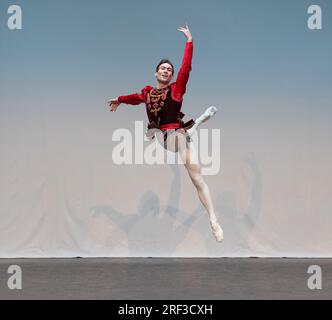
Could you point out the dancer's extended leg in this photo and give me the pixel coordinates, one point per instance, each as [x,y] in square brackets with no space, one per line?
[209,112]
[203,191]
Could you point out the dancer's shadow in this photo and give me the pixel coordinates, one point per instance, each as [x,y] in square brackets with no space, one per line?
[237,225]
[152,230]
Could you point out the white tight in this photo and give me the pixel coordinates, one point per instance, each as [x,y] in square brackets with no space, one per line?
[193,168]
[194,171]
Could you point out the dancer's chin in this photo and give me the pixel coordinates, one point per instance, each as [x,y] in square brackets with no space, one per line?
[163,82]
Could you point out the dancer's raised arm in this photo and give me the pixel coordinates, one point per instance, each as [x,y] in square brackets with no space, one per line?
[179,88]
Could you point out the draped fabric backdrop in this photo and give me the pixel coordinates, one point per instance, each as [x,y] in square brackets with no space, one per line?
[62,195]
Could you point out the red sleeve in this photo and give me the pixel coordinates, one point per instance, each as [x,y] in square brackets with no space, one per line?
[135,98]
[179,87]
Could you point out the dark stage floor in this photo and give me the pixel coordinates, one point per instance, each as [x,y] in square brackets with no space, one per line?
[166,278]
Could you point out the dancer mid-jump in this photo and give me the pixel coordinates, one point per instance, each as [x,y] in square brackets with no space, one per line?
[163,106]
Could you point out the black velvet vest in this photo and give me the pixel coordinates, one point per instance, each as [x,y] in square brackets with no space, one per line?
[161,108]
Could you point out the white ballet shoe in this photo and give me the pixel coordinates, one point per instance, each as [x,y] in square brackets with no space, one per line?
[217,231]
[210,112]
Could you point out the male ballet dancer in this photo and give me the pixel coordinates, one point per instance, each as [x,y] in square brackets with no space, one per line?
[163,107]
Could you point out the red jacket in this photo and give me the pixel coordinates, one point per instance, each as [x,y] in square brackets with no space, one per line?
[167,110]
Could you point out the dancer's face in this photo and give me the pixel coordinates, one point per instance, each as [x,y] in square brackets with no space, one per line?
[164,73]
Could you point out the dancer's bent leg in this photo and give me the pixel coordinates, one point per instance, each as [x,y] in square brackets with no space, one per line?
[209,112]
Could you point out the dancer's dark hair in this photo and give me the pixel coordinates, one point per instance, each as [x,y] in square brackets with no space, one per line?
[165,61]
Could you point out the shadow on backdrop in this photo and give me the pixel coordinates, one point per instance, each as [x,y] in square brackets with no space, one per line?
[154,230]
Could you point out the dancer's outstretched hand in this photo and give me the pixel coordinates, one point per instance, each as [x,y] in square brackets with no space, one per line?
[113,103]
[185,30]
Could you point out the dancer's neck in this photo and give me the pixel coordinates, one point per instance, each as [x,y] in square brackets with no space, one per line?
[162,85]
